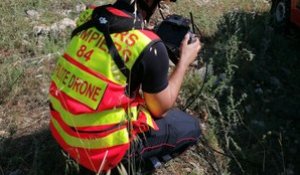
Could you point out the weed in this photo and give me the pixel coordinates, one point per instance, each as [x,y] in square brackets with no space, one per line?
[250,93]
[244,45]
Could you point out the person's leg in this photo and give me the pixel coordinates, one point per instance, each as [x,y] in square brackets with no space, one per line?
[177,131]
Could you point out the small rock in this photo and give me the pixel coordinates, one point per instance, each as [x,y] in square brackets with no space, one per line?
[41,30]
[63,25]
[65,12]
[201,2]
[57,27]
[33,14]
[79,8]
[188,170]
[4,134]
[203,127]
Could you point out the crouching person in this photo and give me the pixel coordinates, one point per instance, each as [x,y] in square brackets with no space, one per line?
[110,96]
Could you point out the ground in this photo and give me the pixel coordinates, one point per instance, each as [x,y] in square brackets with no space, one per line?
[248,104]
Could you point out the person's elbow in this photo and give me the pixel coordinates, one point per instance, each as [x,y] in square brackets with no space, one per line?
[158,104]
[158,112]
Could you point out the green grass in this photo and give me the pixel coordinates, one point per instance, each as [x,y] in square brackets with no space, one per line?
[208,15]
[250,94]
[26,63]
[256,90]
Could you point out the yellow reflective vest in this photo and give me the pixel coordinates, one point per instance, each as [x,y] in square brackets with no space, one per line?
[92,118]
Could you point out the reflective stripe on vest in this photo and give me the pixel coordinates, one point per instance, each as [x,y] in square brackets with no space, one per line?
[92,158]
[108,117]
[119,137]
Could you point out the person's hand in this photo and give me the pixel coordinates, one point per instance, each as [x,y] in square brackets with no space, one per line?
[189,52]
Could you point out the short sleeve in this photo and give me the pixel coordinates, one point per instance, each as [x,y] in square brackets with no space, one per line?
[155,65]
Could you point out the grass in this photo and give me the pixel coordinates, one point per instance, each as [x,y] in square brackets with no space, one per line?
[255,104]
[208,15]
[250,94]
[26,62]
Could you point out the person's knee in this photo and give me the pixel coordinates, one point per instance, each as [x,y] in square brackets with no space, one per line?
[185,125]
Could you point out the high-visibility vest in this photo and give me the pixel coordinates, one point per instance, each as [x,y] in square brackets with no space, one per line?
[93,119]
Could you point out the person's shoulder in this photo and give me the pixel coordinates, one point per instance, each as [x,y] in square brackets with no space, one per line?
[150,34]
[156,51]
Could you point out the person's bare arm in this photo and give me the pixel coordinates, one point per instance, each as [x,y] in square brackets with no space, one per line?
[159,103]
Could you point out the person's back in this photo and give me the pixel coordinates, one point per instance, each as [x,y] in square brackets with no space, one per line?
[97,111]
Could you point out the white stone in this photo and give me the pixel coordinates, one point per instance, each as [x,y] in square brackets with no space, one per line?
[65,12]
[41,30]
[63,25]
[4,134]
[79,8]
[33,14]
[201,2]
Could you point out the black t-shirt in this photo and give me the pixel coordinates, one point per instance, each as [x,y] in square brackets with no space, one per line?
[151,69]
